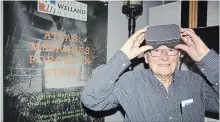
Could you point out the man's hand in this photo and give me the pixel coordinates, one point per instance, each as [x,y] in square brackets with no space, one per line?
[194,46]
[132,46]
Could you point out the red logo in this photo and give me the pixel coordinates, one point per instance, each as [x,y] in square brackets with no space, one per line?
[41,6]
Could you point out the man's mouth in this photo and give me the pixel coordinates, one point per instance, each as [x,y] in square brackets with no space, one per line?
[164,65]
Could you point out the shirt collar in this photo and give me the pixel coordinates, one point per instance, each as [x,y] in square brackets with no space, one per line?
[157,82]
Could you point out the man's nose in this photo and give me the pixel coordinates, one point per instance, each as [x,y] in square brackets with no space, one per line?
[164,56]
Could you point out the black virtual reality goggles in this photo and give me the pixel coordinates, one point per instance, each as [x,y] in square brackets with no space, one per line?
[158,35]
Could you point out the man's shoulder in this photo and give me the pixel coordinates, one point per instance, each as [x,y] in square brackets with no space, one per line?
[132,78]
[188,75]
[135,73]
[139,72]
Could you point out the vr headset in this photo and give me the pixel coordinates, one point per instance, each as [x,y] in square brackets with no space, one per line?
[168,35]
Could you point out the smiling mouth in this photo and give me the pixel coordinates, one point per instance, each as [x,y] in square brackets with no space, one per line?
[164,65]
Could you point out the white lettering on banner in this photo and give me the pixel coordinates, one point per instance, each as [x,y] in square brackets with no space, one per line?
[69,9]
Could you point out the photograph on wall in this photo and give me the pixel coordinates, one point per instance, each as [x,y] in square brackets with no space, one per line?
[50,51]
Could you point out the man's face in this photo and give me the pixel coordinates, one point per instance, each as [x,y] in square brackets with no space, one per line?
[163,60]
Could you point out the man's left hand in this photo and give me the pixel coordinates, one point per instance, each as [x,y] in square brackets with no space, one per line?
[194,46]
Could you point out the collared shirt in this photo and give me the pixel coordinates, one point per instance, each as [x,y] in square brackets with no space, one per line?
[145,99]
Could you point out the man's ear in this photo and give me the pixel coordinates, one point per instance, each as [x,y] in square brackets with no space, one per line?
[145,58]
[181,54]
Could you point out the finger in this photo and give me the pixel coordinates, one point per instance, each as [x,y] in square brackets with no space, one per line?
[182,30]
[136,44]
[182,47]
[183,33]
[186,40]
[145,48]
[146,27]
[191,30]
[189,41]
[193,36]
[139,40]
[143,30]
[141,37]
[188,29]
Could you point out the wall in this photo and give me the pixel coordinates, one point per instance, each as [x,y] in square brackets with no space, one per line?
[118,33]
[213,13]
[165,14]
[173,14]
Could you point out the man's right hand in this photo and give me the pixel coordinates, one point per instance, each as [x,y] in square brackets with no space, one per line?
[132,46]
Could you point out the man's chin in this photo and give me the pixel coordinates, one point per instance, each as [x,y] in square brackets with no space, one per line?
[164,73]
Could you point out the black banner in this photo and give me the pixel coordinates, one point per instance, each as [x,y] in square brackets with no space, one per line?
[48,59]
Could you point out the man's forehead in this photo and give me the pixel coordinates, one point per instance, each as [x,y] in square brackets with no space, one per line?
[163,47]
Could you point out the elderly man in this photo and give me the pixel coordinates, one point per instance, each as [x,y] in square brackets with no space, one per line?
[162,92]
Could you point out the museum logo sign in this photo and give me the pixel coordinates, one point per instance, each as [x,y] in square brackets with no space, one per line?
[69,9]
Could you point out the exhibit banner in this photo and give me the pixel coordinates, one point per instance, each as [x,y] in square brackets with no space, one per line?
[50,51]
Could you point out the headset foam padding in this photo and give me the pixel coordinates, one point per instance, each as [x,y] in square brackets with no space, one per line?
[168,35]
